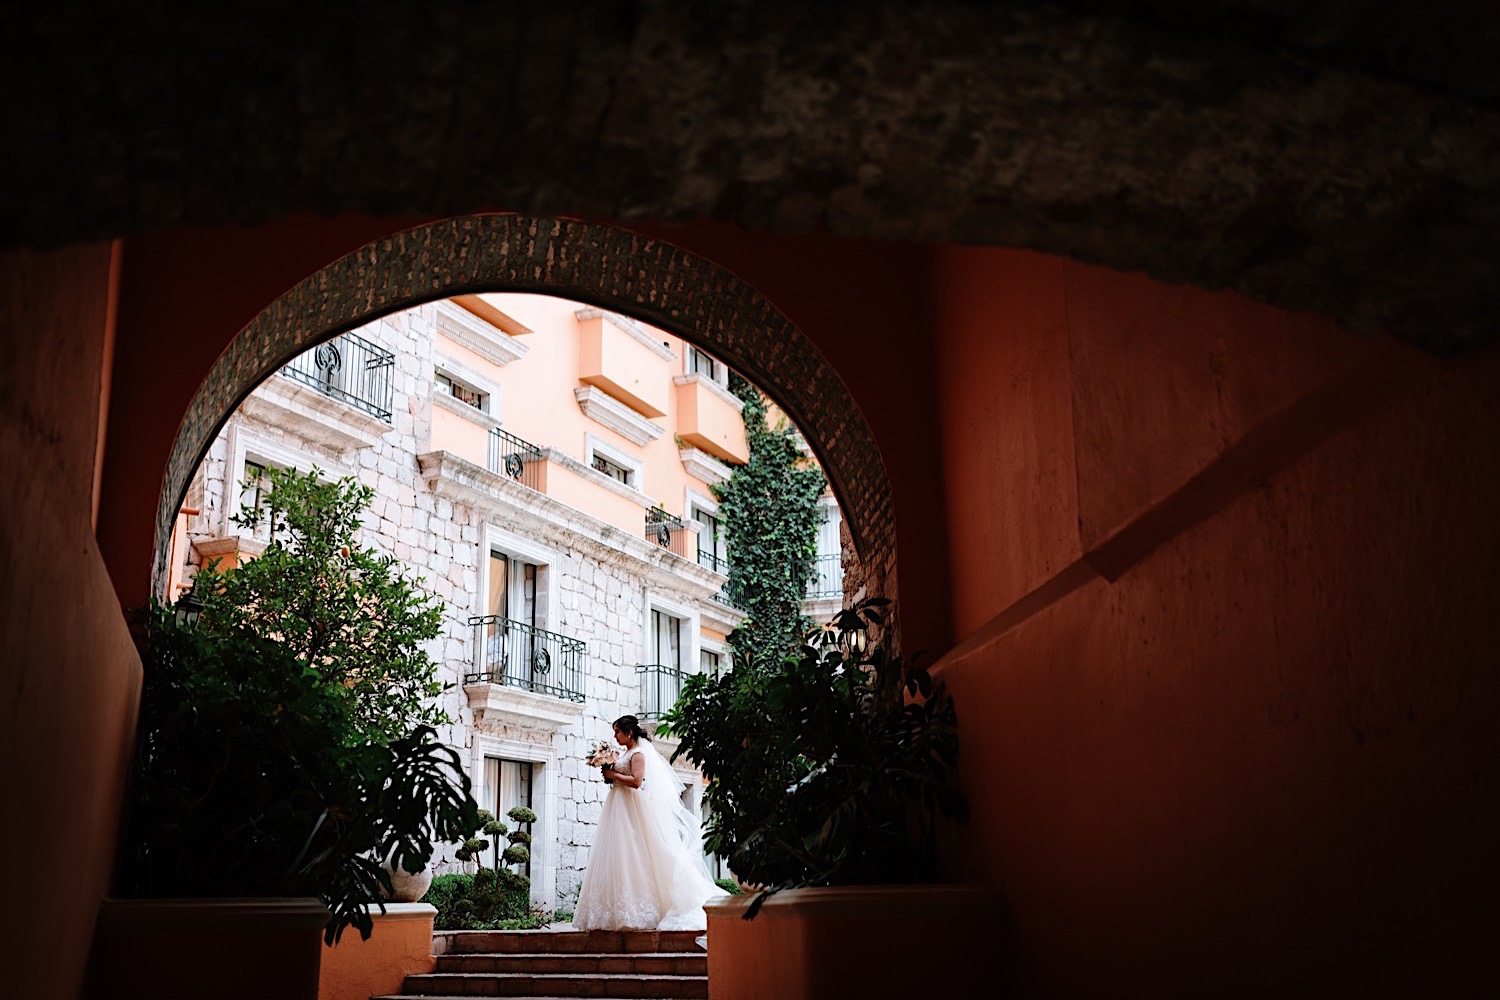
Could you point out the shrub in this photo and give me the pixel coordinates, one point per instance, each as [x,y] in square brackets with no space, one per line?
[479,901]
[729,885]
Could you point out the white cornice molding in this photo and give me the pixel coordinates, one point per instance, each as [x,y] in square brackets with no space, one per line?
[504,704]
[552,522]
[223,545]
[636,331]
[721,617]
[463,327]
[315,417]
[711,386]
[470,413]
[593,475]
[704,467]
[602,408]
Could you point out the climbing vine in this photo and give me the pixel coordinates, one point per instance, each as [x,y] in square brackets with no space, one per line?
[770,516]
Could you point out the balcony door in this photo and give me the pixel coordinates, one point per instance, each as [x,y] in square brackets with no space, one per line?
[508,783]
[511,633]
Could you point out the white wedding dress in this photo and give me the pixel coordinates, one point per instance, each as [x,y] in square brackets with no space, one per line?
[646,870]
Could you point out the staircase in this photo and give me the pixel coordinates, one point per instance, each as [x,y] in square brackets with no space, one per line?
[543,965]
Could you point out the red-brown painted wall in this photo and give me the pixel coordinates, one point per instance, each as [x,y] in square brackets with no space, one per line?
[69,676]
[1223,583]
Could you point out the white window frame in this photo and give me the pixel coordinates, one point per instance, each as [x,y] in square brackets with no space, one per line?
[720,369]
[691,499]
[545,796]
[245,445]
[726,657]
[454,372]
[630,463]
[520,550]
[688,637]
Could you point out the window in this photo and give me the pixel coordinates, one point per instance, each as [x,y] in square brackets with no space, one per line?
[666,640]
[710,662]
[510,635]
[253,489]
[703,363]
[508,783]
[447,385]
[712,552]
[611,469]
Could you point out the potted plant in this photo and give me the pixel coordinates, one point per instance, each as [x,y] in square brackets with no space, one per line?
[267,797]
[827,776]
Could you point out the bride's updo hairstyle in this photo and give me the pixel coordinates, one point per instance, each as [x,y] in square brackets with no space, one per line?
[631,726]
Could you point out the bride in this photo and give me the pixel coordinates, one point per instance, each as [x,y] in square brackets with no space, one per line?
[646,869]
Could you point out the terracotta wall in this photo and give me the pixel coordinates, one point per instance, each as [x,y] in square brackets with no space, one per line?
[1223,585]
[70,677]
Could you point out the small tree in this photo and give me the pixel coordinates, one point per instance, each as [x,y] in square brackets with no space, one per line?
[769,508]
[340,609]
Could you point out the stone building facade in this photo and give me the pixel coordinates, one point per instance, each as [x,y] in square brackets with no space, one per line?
[545,470]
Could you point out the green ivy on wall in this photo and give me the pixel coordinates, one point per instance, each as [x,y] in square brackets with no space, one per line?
[770,516]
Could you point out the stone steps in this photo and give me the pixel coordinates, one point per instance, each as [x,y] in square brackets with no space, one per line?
[527,984]
[570,942]
[548,965]
[637,963]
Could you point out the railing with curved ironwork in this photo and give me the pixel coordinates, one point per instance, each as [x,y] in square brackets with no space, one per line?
[828,576]
[516,459]
[523,656]
[350,369]
[661,686]
[667,530]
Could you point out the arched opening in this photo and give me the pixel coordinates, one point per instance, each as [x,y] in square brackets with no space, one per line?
[590,263]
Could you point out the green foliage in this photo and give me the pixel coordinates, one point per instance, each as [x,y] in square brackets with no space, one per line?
[482,901]
[521,814]
[342,610]
[729,885]
[830,768]
[769,510]
[515,854]
[249,779]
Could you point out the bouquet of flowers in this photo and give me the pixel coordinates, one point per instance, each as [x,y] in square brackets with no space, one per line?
[601,755]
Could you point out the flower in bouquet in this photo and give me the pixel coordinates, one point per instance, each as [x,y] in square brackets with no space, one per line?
[601,754]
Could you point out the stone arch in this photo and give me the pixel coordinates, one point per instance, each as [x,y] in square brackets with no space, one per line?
[596,264]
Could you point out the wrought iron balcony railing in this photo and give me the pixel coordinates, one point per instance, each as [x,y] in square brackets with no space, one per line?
[523,656]
[828,577]
[723,598]
[517,459]
[661,686]
[667,530]
[715,561]
[349,369]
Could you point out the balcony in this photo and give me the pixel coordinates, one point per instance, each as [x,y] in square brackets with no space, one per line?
[524,675]
[828,577]
[516,459]
[661,686]
[513,654]
[716,561]
[708,419]
[668,531]
[349,369]
[337,395]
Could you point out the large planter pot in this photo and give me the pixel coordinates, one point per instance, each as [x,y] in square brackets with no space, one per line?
[187,949]
[405,886]
[857,941]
